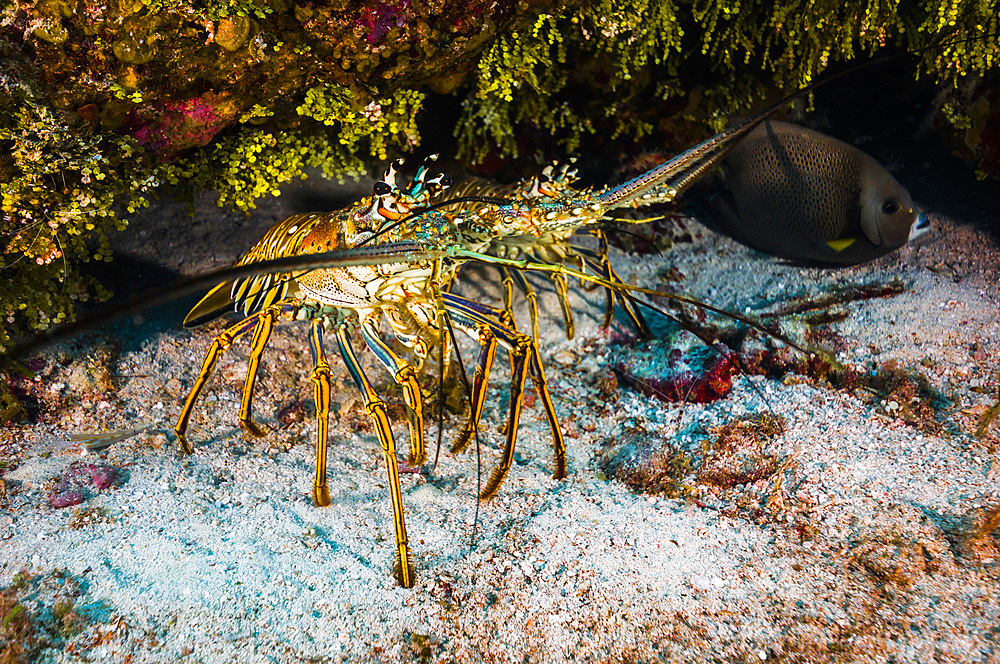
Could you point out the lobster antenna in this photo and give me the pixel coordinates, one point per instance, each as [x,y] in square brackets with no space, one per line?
[377,255]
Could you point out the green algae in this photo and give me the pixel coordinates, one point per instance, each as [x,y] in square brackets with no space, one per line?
[700,62]
[378,122]
[61,183]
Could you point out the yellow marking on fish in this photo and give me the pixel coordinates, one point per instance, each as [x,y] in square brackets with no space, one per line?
[841,244]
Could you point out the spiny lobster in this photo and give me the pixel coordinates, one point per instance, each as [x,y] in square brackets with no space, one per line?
[393,256]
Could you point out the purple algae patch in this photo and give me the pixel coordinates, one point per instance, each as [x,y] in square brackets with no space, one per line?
[103,477]
[695,375]
[80,481]
[66,499]
[169,127]
[380,18]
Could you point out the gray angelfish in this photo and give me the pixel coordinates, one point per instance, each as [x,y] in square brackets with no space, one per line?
[799,194]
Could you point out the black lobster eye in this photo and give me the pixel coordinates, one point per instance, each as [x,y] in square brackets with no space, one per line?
[381,189]
[890,206]
[446,181]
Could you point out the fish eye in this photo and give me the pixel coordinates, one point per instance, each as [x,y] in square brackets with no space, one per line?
[381,188]
[890,206]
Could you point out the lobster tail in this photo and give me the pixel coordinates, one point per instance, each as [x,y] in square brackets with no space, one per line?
[216,302]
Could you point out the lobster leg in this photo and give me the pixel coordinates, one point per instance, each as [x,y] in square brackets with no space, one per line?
[508,290]
[634,314]
[509,278]
[406,378]
[221,344]
[560,282]
[602,268]
[593,260]
[538,374]
[558,444]
[261,334]
[626,304]
[471,315]
[598,263]
[487,351]
[321,383]
[518,375]
[376,410]
[507,317]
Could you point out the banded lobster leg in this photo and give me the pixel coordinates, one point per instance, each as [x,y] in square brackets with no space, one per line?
[488,325]
[261,323]
[487,351]
[406,378]
[567,311]
[598,263]
[510,277]
[375,408]
[321,392]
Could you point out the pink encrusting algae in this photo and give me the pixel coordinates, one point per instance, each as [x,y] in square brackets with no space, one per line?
[80,480]
[173,126]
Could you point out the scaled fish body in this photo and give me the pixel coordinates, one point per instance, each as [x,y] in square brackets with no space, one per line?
[94,441]
[799,194]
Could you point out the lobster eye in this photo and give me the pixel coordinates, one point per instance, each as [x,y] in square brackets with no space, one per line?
[890,206]
[381,189]
[446,181]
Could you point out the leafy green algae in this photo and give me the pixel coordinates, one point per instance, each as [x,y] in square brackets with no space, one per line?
[105,102]
[704,60]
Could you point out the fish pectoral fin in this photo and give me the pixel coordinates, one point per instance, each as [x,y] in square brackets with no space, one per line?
[841,243]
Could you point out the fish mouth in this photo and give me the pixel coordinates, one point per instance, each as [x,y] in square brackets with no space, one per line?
[920,226]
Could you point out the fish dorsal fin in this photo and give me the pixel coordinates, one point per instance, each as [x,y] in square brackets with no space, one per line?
[841,243]
[216,302]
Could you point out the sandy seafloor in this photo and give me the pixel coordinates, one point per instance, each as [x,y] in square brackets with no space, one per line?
[872,543]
